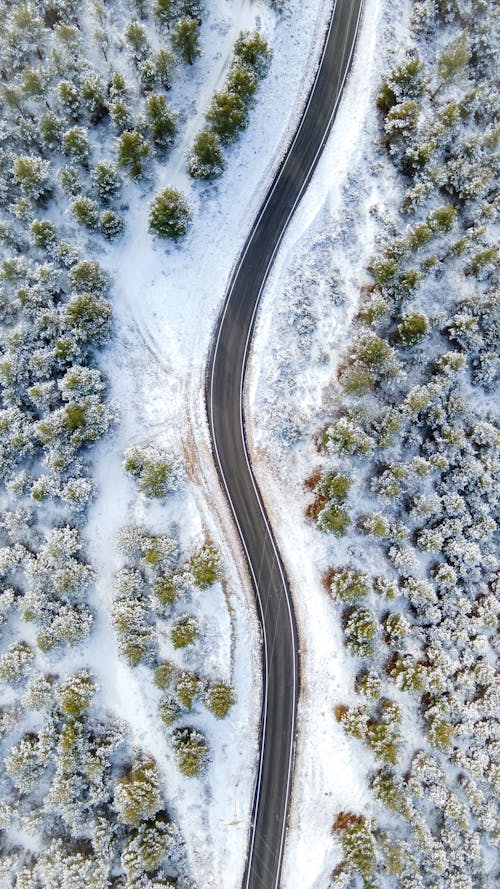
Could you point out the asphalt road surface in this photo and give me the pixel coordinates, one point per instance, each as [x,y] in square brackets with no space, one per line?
[224,395]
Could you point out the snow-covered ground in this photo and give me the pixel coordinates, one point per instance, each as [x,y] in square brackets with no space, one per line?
[166,299]
[306,308]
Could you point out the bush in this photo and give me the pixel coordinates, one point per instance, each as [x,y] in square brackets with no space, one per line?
[253,50]
[205,566]
[75,693]
[191,750]
[165,589]
[359,849]
[384,740]
[169,709]
[75,144]
[107,181]
[165,674]
[186,38]
[348,584]
[132,152]
[219,699]
[334,486]
[15,662]
[44,232]
[206,160]
[86,212]
[360,631]
[185,631]
[228,115]
[111,224]
[32,174]
[388,788]
[187,688]
[409,674]
[137,793]
[334,520]
[161,121]
[374,525]
[88,276]
[156,472]
[170,215]
[411,329]
[242,81]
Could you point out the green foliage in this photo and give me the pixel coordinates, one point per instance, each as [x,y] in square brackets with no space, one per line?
[15,662]
[347,437]
[135,35]
[169,709]
[160,120]
[360,631]
[440,732]
[356,380]
[454,57]
[69,180]
[185,631]
[369,684]
[242,81]
[353,720]
[164,62]
[88,276]
[388,788]
[191,751]
[187,688]
[44,232]
[86,212]
[89,317]
[374,525]
[205,566]
[384,740]
[170,215]
[409,674]
[111,225]
[386,98]
[333,519]
[155,471]
[165,589]
[93,95]
[348,584]
[32,174]
[358,846]
[137,793]
[144,852]
[396,627]
[75,144]
[186,38]
[206,160]
[164,675]
[253,50]
[419,236]
[51,130]
[227,115]
[334,486]
[372,351]
[75,694]
[442,219]
[219,699]
[132,152]
[107,180]
[412,329]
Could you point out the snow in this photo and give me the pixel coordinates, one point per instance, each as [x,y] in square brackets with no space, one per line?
[331,236]
[166,299]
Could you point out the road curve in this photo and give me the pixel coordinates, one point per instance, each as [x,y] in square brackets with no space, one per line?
[224,399]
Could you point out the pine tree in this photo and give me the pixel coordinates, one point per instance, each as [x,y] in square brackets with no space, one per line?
[170,215]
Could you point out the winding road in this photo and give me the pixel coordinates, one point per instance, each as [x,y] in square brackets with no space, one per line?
[225,407]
